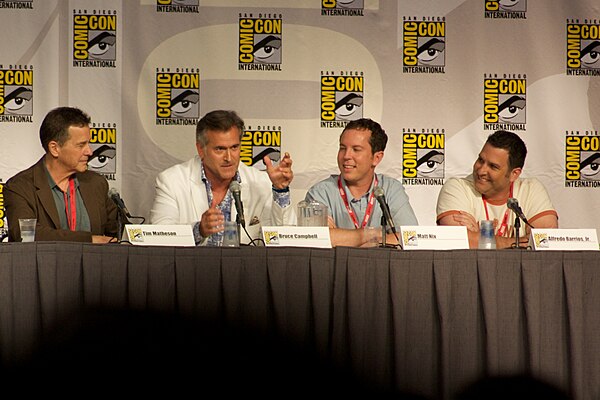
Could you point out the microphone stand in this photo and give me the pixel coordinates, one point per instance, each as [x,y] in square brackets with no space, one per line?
[119,225]
[383,230]
[239,224]
[122,220]
[517,233]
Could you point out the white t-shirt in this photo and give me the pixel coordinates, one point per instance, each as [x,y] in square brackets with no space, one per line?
[459,194]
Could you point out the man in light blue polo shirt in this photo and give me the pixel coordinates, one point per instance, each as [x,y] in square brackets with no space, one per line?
[350,195]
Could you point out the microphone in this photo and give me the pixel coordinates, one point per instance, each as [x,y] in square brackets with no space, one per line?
[114,195]
[236,191]
[380,196]
[513,204]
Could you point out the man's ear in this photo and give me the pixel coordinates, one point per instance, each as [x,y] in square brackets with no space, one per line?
[53,148]
[515,173]
[200,150]
[377,157]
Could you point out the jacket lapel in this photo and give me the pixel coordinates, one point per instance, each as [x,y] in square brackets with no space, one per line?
[90,200]
[198,189]
[44,193]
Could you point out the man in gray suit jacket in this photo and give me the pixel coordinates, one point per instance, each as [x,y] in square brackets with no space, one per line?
[69,202]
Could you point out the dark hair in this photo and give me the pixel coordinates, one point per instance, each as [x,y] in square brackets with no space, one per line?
[57,122]
[378,139]
[511,142]
[218,120]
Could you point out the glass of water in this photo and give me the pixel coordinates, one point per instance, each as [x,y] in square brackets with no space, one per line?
[27,227]
[230,235]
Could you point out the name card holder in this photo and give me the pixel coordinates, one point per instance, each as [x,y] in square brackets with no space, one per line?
[563,239]
[296,236]
[159,235]
[434,237]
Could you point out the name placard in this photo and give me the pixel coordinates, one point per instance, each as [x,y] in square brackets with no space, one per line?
[563,239]
[296,236]
[434,237]
[159,235]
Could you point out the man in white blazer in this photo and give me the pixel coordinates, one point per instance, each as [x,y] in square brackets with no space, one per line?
[197,192]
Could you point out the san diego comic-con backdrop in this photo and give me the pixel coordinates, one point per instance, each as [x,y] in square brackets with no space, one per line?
[439,76]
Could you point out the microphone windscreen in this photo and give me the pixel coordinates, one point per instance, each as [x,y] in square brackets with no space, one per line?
[112,192]
[511,202]
[234,186]
[378,191]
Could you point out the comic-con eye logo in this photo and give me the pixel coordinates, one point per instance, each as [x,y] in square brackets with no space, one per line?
[95,39]
[504,103]
[423,156]
[541,240]
[424,46]
[508,9]
[341,99]
[17,4]
[260,44]
[135,235]
[271,237]
[409,238]
[16,95]
[258,143]
[342,7]
[582,160]
[103,142]
[177,97]
[583,49]
[181,6]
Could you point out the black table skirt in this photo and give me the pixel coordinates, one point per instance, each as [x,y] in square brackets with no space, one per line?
[424,322]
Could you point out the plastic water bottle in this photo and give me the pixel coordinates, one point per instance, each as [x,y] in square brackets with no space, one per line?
[487,239]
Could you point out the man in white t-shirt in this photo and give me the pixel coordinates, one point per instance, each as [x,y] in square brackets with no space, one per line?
[483,194]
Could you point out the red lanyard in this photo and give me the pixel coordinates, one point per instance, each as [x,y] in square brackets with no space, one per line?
[504,225]
[70,206]
[351,211]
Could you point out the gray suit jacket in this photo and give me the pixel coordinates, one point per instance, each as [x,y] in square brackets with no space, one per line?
[28,195]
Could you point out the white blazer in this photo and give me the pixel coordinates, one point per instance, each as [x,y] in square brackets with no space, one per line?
[181,198]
